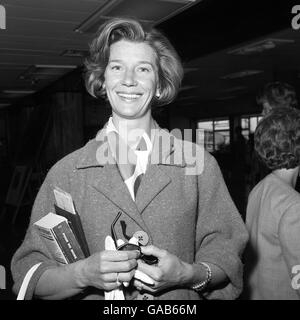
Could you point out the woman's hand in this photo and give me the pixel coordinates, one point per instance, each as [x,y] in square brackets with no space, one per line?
[107,269]
[169,272]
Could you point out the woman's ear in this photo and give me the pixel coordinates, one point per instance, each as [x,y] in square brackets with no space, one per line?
[157,93]
[103,90]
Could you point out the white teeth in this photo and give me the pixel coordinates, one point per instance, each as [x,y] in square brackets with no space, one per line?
[129,96]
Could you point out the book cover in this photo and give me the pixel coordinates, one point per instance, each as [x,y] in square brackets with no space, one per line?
[57,234]
[65,207]
[68,242]
[43,226]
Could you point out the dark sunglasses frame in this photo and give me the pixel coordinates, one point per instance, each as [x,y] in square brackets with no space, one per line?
[130,246]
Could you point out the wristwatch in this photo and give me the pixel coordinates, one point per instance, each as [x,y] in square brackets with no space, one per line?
[200,286]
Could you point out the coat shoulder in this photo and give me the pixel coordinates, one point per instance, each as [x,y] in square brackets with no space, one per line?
[72,160]
[196,158]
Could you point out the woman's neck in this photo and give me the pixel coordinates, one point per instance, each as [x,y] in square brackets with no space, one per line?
[289,176]
[129,128]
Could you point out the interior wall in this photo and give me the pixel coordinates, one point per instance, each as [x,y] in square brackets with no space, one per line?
[96,113]
[66,129]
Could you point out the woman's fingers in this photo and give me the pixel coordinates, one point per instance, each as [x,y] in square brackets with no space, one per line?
[154,251]
[141,286]
[152,271]
[138,284]
[118,276]
[139,275]
[108,286]
[101,268]
[113,255]
[120,266]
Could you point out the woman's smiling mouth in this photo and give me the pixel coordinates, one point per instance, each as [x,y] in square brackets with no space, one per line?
[129,96]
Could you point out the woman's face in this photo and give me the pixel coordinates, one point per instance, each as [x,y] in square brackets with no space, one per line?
[131,78]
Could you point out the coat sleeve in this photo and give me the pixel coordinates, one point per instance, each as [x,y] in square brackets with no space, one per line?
[33,249]
[221,235]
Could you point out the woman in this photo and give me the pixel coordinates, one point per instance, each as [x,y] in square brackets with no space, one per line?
[276,95]
[184,218]
[273,212]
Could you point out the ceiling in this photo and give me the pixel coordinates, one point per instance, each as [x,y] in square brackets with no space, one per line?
[46,39]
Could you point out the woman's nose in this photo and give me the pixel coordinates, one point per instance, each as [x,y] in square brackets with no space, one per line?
[129,78]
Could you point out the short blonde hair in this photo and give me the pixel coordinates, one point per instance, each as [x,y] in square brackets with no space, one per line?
[170,71]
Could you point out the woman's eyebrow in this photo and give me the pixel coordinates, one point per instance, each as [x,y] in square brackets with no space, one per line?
[138,62]
[115,60]
[145,62]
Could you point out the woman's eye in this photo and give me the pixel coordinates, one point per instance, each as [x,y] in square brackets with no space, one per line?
[116,68]
[144,69]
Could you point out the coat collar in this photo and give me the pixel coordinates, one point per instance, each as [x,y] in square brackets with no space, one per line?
[110,183]
[167,150]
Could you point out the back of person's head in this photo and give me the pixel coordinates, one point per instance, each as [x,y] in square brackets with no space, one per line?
[277,95]
[277,139]
[170,70]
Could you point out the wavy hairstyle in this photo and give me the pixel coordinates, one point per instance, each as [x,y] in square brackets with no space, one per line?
[277,139]
[277,94]
[170,71]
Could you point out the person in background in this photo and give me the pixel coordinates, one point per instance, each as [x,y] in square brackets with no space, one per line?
[277,95]
[180,211]
[274,95]
[273,211]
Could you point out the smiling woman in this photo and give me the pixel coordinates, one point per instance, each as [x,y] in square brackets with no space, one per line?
[154,229]
[131,79]
[163,57]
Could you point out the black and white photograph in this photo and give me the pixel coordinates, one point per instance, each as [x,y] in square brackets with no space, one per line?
[149,151]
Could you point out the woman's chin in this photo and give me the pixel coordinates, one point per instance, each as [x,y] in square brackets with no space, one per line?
[131,115]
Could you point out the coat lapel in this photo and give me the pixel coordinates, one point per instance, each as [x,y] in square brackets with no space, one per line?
[167,151]
[110,183]
[153,182]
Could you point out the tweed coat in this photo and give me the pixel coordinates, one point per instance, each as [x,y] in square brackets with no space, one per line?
[190,215]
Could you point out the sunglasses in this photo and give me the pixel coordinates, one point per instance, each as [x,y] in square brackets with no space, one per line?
[149,259]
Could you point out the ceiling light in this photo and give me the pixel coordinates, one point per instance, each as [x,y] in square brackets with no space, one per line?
[190,69]
[3,105]
[74,53]
[233,89]
[91,24]
[260,46]
[147,12]
[21,92]
[241,74]
[225,98]
[187,98]
[53,66]
[184,88]
[45,72]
